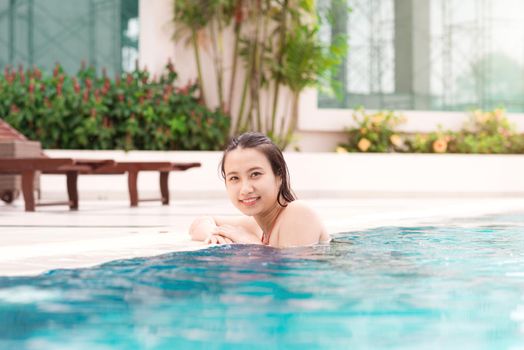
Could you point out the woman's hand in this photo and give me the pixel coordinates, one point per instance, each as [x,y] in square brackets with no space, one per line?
[236,234]
[217,239]
[202,228]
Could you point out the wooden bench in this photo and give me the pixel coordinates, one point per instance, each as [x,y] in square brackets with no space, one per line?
[27,167]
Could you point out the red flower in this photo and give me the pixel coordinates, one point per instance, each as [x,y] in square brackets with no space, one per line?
[38,73]
[184,90]
[14,109]
[85,98]
[89,83]
[107,86]
[76,86]
[239,12]
[59,89]
[10,78]
[31,87]
[21,73]
[97,95]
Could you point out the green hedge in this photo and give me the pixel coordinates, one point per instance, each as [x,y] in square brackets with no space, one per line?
[90,111]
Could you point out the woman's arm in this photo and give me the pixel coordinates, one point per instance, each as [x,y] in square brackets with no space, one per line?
[202,228]
[238,234]
[224,229]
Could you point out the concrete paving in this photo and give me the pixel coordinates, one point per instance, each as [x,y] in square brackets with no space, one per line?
[103,230]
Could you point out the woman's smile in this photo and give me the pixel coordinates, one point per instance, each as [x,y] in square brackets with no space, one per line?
[249,202]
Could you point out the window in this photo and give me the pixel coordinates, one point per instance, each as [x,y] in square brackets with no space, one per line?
[103,33]
[450,55]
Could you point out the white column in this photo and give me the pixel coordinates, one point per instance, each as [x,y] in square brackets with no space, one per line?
[155,43]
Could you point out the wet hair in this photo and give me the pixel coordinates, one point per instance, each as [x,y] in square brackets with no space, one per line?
[263,144]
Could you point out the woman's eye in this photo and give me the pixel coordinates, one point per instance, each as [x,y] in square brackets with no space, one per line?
[256,174]
[233,178]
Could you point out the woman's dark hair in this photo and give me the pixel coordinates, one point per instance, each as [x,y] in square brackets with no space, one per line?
[273,154]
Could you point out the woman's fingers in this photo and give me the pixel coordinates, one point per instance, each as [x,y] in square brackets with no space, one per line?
[211,239]
[218,239]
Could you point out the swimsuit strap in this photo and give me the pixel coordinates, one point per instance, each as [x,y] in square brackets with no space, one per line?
[265,238]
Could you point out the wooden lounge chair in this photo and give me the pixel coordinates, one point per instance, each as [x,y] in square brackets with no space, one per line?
[27,167]
[133,168]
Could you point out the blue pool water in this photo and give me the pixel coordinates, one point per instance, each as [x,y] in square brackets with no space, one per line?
[386,288]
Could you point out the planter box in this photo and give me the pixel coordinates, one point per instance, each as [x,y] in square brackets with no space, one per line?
[17,149]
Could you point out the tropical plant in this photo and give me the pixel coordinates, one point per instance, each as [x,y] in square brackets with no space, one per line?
[276,45]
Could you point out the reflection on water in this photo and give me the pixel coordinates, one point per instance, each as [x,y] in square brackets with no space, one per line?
[393,287]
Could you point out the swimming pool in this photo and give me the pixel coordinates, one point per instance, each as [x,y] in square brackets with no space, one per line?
[433,287]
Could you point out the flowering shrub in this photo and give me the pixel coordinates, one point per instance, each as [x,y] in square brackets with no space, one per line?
[435,142]
[86,111]
[375,132]
[485,132]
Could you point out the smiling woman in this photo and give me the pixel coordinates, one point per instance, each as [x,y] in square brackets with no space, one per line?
[257,182]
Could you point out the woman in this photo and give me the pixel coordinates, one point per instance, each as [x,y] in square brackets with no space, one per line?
[257,182]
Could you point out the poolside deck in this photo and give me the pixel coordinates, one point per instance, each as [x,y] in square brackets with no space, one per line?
[101,231]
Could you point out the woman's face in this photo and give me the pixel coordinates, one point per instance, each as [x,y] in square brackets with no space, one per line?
[250,182]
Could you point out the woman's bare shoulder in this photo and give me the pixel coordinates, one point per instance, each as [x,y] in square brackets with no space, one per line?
[301,225]
[300,208]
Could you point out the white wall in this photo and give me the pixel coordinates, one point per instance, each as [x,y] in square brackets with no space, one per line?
[156,32]
[314,175]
